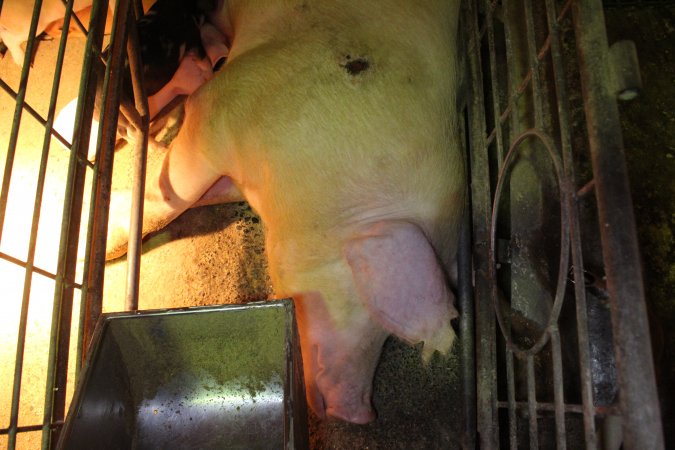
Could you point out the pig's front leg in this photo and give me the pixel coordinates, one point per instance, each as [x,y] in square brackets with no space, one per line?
[184,179]
[398,276]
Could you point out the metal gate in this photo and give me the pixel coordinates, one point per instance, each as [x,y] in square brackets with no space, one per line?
[52,203]
[558,287]
[556,281]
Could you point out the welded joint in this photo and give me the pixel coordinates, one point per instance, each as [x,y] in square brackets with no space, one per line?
[625,69]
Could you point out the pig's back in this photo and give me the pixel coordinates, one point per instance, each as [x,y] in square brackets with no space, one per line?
[344,118]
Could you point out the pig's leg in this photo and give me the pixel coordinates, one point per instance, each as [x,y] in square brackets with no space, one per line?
[177,184]
[339,359]
[398,276]
[13,44]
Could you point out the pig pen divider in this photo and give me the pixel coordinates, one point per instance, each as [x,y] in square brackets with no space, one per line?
[543,119]
[66,280]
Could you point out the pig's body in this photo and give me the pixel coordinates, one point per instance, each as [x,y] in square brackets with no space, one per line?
[336,120]
[15,20]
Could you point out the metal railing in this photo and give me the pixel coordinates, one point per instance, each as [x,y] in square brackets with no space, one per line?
[540,81]
[88,285]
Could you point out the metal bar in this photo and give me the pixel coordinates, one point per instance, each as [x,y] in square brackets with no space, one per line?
[4,194]
[574,229]
[537,97]
[532,403]
[140,162]
[95,252]
[638,397]
[467,319]
[14,133]
[558,391]
[67,258]
[486,385]
[511,395]
[35,269]
[494,82]
[29,428]
[569,408]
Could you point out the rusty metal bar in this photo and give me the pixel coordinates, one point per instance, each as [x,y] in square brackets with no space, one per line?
[533,60]
[511,396]
[467,332]
[558,391]
[532,403]
[55,395]
[494,81]
[100,202]
[140,163]
[637,387]
[486,382]
[575,234]
[16,122]
[9,166]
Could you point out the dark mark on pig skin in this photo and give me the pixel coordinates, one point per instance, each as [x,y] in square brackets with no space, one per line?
[356,66]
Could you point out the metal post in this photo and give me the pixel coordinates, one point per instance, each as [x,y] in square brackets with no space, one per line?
[639,402]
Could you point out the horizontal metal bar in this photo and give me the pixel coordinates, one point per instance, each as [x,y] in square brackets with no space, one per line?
[573,408]
[29,428]
[36,115]
[37,270]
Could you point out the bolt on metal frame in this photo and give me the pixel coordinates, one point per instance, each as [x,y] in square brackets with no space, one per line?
[519,60]
[124,40]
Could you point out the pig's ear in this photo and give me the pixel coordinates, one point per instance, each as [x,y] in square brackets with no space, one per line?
[398,276]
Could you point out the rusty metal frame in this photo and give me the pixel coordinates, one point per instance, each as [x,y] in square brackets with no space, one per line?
[125,11]
[495,95]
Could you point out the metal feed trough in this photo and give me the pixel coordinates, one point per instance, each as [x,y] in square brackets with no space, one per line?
[208,377]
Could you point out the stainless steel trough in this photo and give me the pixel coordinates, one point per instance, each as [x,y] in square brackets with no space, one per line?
[207,378]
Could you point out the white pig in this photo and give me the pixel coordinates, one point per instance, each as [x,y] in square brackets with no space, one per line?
[336,120]
[15,19]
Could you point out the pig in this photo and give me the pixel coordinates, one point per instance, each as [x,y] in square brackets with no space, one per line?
[16,16]
[337,121]
[15,20]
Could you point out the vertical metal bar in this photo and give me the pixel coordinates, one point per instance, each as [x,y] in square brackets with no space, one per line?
[558,392]
[638,397]
[54,409]
[537,96]
[92,295]
[18,112]
[511,396]
[466,332]
[575,237]
[140,159]
[486,385]
[532,403]
[105,153]
[494,81]
[4,194]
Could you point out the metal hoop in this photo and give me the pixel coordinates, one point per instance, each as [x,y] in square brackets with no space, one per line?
[564,189]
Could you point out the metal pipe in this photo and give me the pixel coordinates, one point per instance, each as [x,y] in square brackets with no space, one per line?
[57,370]
[637,386]
[140,162]
[532,403]
[104,163]
[559,81]
[486,384]
[558,391]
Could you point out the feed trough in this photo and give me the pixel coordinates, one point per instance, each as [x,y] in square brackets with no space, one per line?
[208,377]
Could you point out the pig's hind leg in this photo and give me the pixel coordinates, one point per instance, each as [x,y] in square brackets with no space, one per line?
[398,276]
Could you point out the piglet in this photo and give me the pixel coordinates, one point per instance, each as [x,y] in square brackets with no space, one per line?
[336,120]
